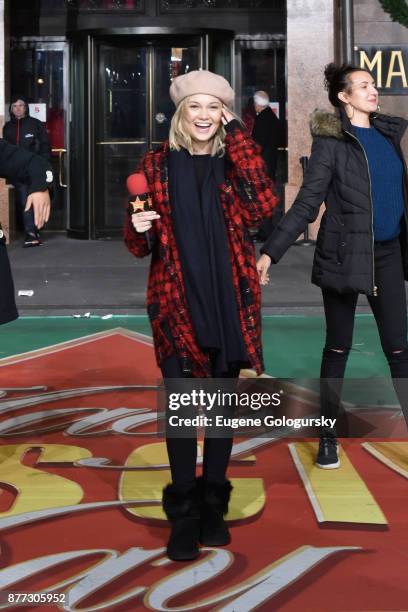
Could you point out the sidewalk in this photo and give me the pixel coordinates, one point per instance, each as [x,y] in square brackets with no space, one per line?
[74,276]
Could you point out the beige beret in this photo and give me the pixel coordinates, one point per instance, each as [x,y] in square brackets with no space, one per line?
[201,82]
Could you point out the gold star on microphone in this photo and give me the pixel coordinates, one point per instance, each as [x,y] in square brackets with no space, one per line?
[137,205]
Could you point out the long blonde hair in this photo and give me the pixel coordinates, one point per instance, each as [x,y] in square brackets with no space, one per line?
[178,137]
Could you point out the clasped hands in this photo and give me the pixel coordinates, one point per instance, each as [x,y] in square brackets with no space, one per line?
[262,265]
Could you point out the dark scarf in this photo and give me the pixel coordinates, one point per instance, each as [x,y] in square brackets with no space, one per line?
[201,237]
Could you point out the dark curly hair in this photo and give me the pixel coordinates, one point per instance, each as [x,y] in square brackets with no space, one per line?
[336,79]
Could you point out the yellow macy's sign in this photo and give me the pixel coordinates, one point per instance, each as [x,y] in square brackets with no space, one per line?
[41,495]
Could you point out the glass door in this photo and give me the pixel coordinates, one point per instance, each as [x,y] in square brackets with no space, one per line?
[168,62]
[39,71]
[260,63]
[121,128]
[120,108]
[132,114]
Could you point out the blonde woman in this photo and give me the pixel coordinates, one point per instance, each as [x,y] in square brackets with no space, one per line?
[208,186]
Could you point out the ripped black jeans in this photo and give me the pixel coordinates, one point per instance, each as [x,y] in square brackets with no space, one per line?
[389,308]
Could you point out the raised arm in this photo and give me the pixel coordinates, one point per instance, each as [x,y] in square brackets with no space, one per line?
[255,190]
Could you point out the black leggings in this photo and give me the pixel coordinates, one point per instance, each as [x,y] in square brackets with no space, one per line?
[390,311]
[183,451]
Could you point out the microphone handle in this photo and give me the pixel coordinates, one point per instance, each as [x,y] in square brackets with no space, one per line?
[149,243]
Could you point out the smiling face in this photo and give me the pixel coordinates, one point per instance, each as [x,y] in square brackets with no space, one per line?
[362,94]
[202,117]
[18,109]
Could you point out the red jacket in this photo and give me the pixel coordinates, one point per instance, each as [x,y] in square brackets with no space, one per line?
[247,197]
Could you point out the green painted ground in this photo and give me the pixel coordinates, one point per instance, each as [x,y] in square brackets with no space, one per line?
[292,344]
[292,348]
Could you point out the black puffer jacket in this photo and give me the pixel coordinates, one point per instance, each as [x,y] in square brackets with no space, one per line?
[338,175]
[21,166]
[28,133]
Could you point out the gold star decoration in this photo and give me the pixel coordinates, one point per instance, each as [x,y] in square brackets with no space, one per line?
[137,205]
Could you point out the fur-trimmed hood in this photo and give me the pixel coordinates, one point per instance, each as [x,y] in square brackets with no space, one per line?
[335,125]
[326,124]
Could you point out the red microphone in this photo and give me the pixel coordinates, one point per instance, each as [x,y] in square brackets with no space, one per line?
[140,199]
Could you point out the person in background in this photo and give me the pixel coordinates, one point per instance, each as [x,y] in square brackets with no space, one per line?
[34,172]
[208,186]
[358,170]
[31,135]
[266,130]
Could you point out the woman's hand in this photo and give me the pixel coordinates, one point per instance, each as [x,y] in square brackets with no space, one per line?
[262,266]
[142,221]
[39,201]
[226,116]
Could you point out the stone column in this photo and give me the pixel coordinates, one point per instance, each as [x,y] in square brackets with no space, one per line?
[4,191]
[310,46]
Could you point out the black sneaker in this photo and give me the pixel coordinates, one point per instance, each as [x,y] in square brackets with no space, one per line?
[327,457]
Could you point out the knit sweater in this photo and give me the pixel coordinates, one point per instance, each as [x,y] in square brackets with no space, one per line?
[386,174]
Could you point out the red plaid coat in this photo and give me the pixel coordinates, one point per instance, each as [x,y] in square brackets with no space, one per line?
[247,197]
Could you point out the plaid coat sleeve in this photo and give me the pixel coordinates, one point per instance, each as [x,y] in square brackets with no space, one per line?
[254,189]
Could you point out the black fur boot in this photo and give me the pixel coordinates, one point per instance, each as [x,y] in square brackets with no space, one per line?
[182,509]
[214,505]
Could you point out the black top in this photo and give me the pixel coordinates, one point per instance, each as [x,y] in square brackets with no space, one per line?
[201,237]
[201,163]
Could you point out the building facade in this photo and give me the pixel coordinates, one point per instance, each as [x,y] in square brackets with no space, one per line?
[98,73]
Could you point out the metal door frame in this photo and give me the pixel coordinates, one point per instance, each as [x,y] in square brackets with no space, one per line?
[142,37]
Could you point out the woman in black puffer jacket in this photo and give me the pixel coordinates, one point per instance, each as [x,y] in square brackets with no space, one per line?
[35,173]
[357,168]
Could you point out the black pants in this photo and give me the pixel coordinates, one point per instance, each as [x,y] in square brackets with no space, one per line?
[390,311]
[26,216]
[8,310]
[183,451]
